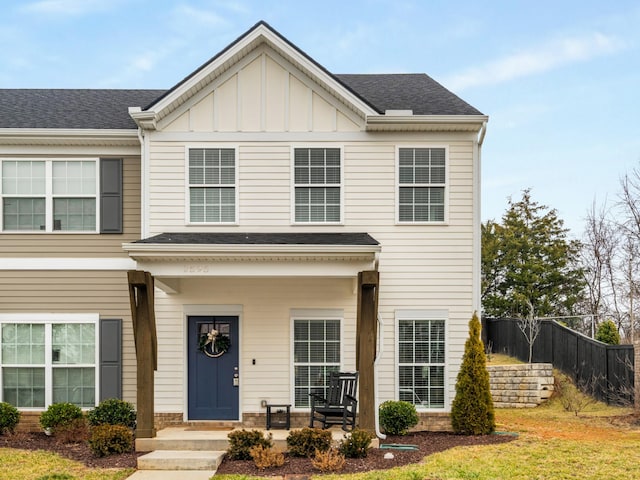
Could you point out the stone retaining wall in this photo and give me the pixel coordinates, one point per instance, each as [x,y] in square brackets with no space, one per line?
[520,386]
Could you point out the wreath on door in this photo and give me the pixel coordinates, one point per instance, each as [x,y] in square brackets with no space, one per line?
[214,344]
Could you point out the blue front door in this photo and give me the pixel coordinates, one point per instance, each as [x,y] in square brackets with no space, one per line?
[213,368]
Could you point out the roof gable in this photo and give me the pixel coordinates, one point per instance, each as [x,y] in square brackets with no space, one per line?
[260,34]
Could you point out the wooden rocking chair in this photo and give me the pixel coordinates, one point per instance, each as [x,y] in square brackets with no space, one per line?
[340,405]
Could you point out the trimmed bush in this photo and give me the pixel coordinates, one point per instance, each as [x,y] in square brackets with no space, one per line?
[265,457]
[356,444]
[9,417]
[242,441]
[113,411]
[329,461]
[75,432]
[397,417]
[472,409]
[110,439]
[305,442]
[59,415]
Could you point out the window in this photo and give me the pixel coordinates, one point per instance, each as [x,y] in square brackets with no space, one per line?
[212,185]
[421,189]
[316,352]
[49,195]
[421,350]
[48,359]
[317,178]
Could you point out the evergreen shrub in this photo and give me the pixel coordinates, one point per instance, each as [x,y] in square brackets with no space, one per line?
[242,441]
[113,411]
[397,417]
[305,442]
[9,417]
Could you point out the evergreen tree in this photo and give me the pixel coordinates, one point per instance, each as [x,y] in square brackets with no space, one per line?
[529,267]
[608,333]
[472,409]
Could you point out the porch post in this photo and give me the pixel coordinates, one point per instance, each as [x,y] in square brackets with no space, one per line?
[366,335]
[144,333]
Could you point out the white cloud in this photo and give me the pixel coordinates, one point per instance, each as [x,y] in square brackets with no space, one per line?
[552,55]
[67,7]
[190,16]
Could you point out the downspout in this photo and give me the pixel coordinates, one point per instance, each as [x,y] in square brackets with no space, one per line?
[380,349]
[142,138]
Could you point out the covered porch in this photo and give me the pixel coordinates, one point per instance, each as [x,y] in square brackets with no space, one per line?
[271,287]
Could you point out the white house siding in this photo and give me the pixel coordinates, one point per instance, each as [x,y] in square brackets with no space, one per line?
[102,292]
[265,332]
[422,267]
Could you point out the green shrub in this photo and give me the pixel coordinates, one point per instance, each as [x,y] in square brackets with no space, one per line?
[608,333]
[356,444]
[397,417]
[59,414]
[109,439]
[242,441]
[472,409]
[9,417]
[305,442]
[113,412]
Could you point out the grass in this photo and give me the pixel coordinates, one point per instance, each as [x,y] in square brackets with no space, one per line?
[41,465]
[552,444]
[502,359]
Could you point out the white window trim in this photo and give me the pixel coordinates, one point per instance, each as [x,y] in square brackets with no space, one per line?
[446,184]
[187,195]
[48,319]
[48,196]
[293,184]
[423,315]
[310,314]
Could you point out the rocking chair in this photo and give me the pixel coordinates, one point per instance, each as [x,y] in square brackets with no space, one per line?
[339,406]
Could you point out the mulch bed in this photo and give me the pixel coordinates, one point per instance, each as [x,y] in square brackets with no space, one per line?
[427,442]
[75,451]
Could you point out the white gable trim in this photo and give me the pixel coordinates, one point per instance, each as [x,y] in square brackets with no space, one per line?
[259,35]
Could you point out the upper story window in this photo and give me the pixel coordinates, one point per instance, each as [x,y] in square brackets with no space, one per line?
[49,195]
[212,185]
[421,185]
[317,185]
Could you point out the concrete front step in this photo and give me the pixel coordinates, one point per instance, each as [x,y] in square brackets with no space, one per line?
[180,460]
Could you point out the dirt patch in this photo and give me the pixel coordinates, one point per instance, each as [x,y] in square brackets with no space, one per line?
[427,443]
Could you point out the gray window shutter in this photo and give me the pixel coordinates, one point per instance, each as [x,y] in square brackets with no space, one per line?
[110,358]
[111,195]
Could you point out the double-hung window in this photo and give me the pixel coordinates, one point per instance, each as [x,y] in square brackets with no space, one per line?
[49,195]
[47,359]
[316,353]
[421,185]
[318,179]
[212,185]
[421,360]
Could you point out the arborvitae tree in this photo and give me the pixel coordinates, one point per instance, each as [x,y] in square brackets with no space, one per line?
[608,333]
[472,410]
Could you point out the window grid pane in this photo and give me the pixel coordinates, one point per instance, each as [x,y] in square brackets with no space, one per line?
[23,387]
[316,353]
[421,190]
[23,213]
[212,177]
[74,385]
[421,349]
[317,184]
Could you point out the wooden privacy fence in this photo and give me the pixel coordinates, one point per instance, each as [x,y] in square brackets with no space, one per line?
[604,371]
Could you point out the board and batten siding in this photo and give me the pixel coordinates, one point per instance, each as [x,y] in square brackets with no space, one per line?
[88,291]
[75,245]
[265,332]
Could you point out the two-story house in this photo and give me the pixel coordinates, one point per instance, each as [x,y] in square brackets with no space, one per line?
[254,192]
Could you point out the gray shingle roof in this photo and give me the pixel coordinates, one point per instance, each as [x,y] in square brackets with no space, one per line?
[62,108]
[199,238]
[413,91]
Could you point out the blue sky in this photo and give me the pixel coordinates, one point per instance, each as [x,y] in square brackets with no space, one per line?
[560,80]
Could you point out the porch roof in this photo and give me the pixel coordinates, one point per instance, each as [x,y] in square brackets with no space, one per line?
[185,254]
